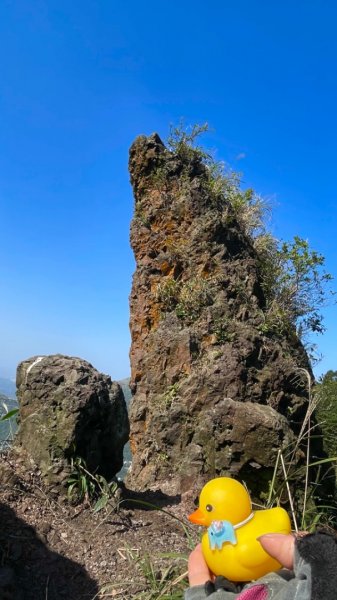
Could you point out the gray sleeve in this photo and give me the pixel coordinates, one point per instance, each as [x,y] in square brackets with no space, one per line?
[198,593]
[278,586]
[286,585]
[315,569]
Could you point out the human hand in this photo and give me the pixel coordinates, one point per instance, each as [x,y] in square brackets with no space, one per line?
[279,546]
[198,571]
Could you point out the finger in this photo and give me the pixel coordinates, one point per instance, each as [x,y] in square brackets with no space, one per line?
[198,571]
[279,546]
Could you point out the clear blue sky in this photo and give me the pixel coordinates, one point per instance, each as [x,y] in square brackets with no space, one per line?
[81,79]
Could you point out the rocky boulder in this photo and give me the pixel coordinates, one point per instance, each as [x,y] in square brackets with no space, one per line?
[69,409]
[214,392]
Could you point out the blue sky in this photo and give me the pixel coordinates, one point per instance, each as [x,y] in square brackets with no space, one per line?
[81,79]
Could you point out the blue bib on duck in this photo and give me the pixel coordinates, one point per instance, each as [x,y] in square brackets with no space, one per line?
[220,532]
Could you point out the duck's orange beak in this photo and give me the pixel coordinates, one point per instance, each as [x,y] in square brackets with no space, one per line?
[197,517]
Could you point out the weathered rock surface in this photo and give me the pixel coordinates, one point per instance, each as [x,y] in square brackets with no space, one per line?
[213,393]
[68,409]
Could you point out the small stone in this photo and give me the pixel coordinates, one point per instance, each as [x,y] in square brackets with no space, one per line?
[45,527]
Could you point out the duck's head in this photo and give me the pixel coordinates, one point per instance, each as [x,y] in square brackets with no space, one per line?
[222,499]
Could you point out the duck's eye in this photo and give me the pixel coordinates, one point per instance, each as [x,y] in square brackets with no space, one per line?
[209,508]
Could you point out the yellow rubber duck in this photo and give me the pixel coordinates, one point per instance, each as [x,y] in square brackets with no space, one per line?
[230,546]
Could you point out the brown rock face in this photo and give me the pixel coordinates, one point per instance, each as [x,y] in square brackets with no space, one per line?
[69,409]
[212,394]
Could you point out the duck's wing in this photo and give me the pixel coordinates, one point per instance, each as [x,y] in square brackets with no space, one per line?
[252,554]
[274,520]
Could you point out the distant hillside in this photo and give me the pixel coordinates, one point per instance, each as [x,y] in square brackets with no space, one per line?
[7,387]
[124,383]
[7,428]
[5,401]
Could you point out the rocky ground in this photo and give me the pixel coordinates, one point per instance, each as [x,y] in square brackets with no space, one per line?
[52,551]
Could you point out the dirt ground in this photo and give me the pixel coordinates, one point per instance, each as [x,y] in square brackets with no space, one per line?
[50,550]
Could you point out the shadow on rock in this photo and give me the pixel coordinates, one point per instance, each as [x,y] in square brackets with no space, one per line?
[148,500]
[30,571]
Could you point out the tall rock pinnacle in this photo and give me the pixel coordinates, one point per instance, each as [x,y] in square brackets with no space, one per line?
[212,393]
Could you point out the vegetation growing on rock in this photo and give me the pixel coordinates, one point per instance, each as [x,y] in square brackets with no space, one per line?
[326,397]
